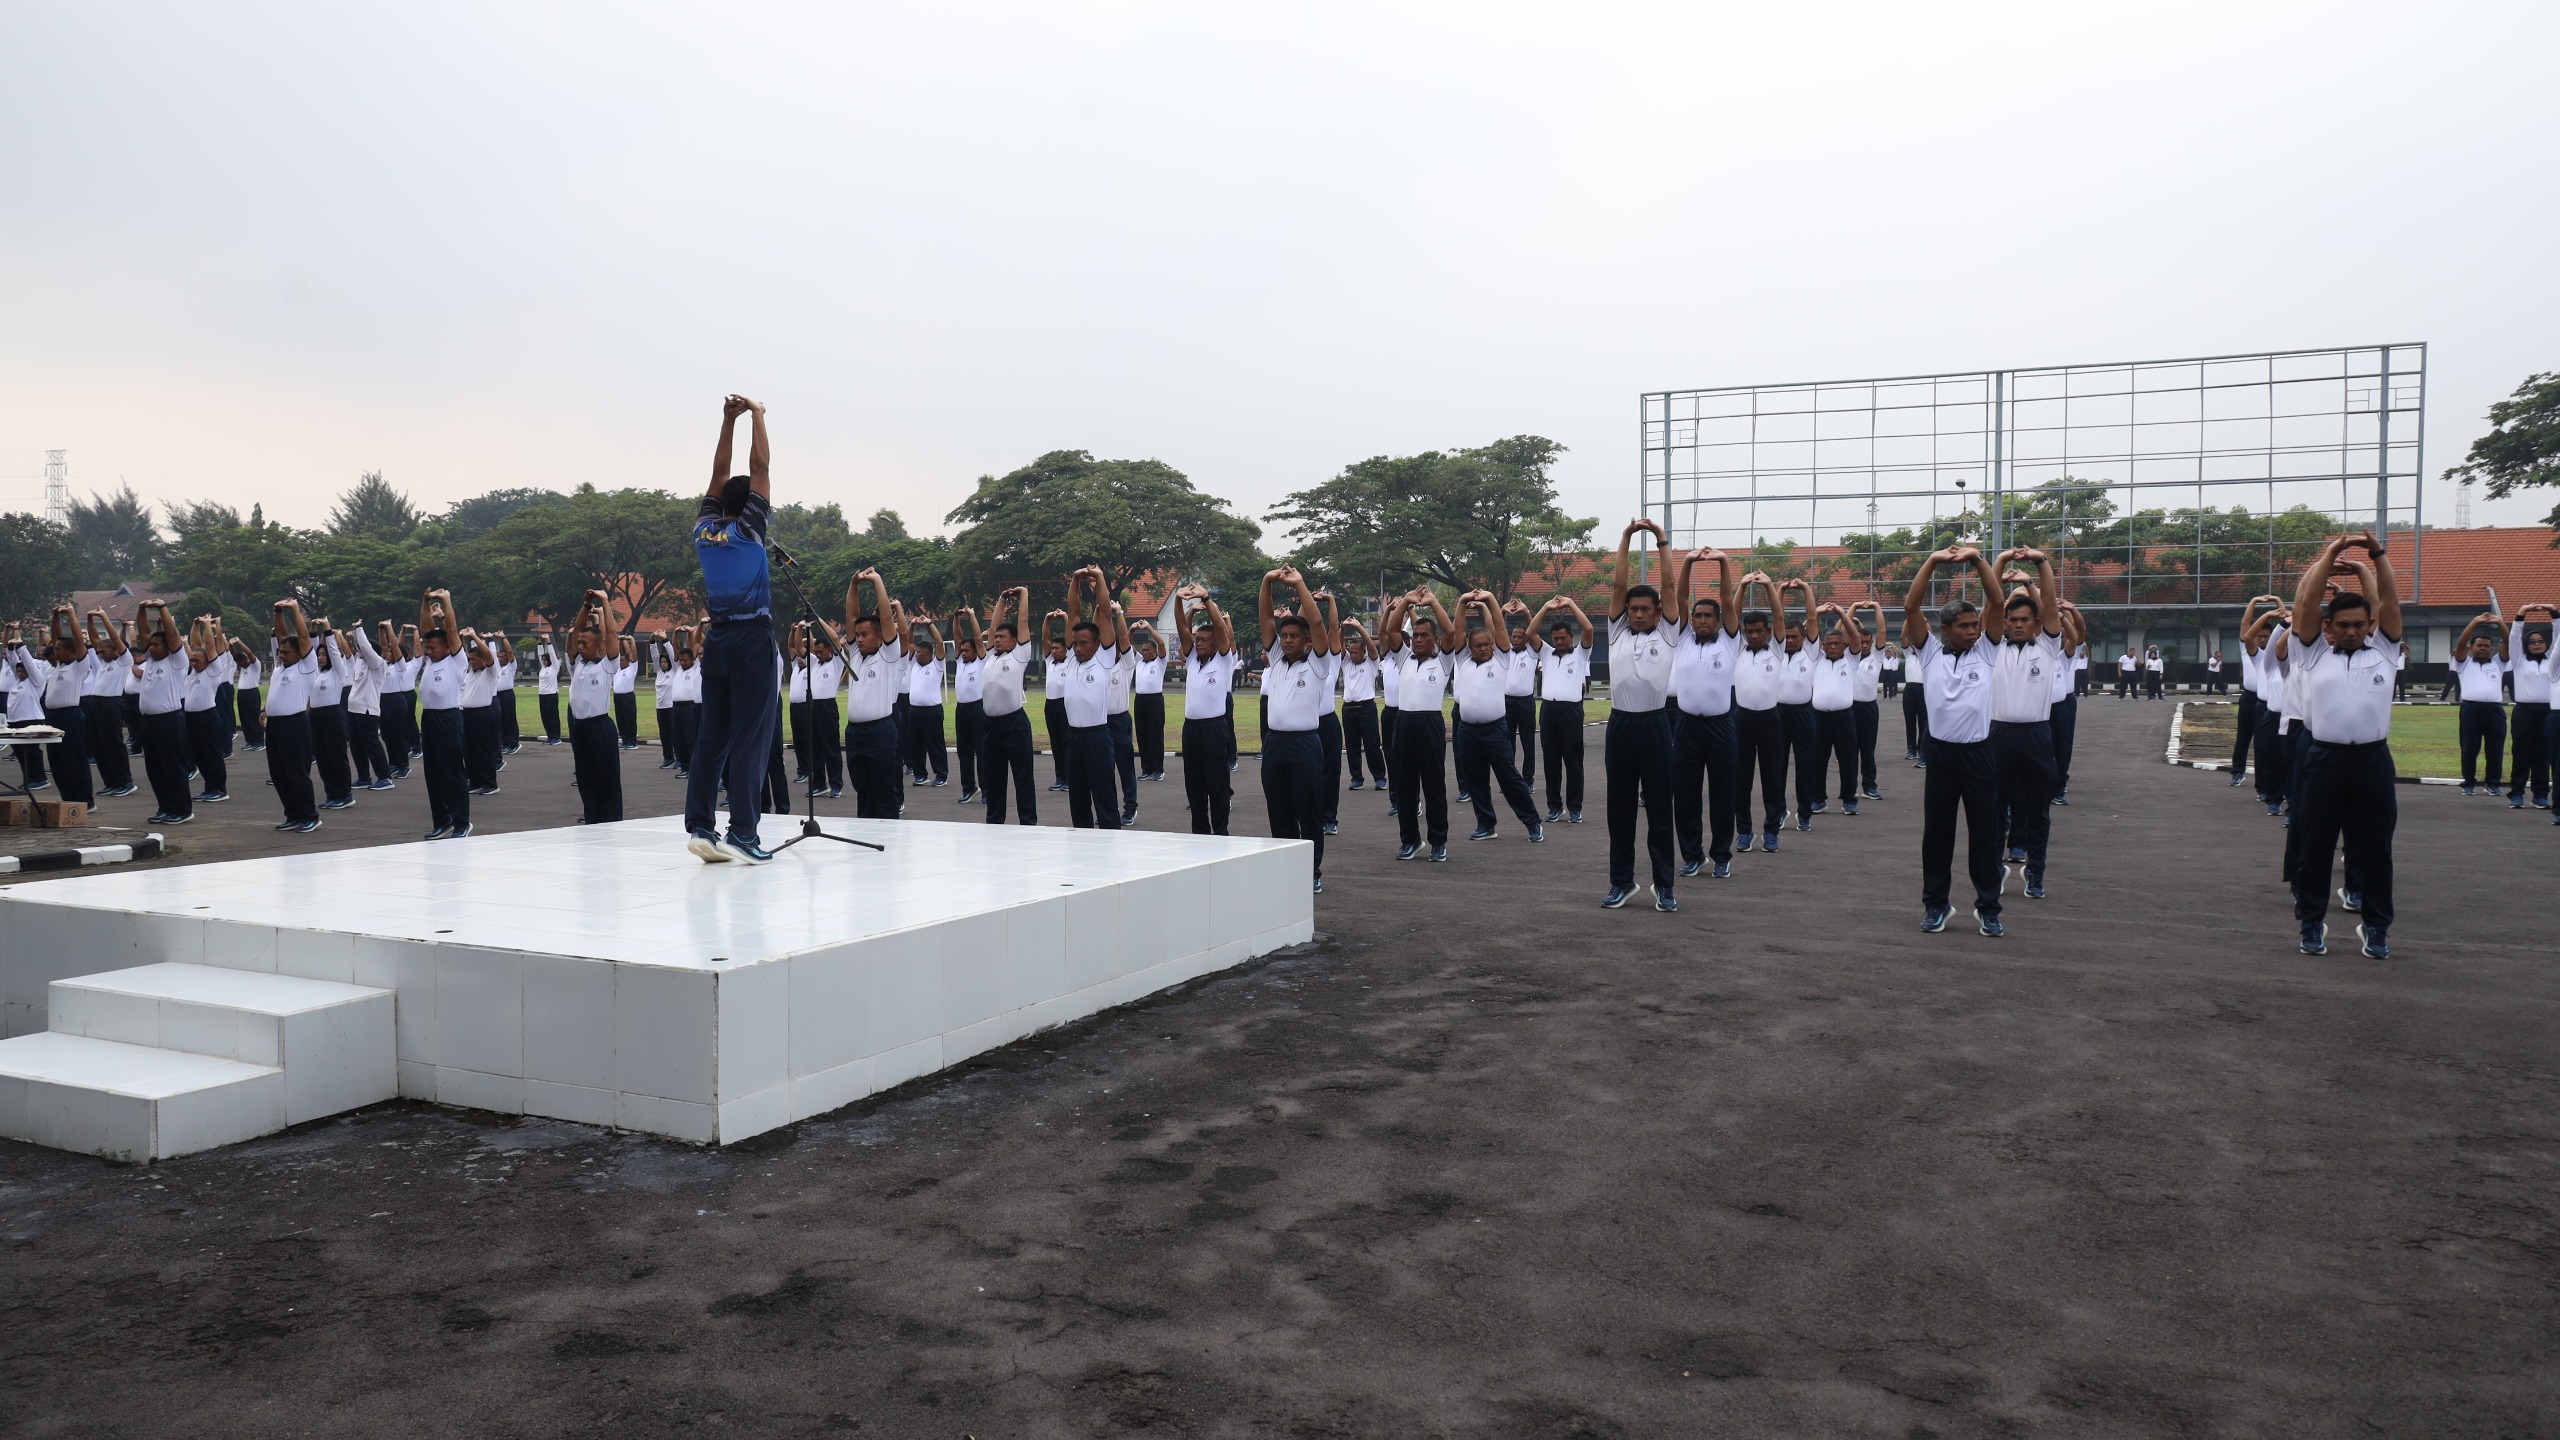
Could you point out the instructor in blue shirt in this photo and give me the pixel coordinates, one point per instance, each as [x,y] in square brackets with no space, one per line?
[739,676]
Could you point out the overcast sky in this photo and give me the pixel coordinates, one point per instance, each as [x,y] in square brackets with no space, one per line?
[248,251]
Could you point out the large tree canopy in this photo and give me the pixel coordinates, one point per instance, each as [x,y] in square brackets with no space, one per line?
[113,538]
[370,507]
[2524,448]
[544,558]
[1066,509]
[42,569]
[1461,518]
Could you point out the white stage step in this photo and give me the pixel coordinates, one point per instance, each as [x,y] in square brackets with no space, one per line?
[132,1102]
[333,1041]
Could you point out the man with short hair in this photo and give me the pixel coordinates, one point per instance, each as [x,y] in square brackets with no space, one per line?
[2529,656]
[1297,685]
[1834,703]
[1637,752]
[595,754]
[1564,676]
[2347,786]
[968,697]
[1084,683]
[1704,744]
[1417,765]
[164,714]
[1481,684]
[1957,669]
[1005,750]
[739,685]
[928,763]
[1759,730]
[2028,662]
[1361,739]
[288,720]
[209,668]
[875,678]
[2480,668]
[1208,729]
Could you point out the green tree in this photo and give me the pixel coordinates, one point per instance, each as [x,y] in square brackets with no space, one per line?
[470,519]
[543,558]
[113,538]
[42,568]
[1462,518]
[1066,509]
[805,530]
[372,508]
[2523,447]
[248,566]
[884,524]
[189,517]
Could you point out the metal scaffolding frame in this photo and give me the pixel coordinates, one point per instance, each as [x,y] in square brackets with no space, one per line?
[2158,452]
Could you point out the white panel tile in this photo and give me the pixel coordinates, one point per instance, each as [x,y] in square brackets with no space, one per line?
[755,1114]
[238,946]
[408,969]
[479,1010]
[158,938]
[1186,915]
[568,1022]
[977,969]
[220,1115]
[16,1019]
[754,1034]
[1143,901]
[663,1027]
[892,1068]
[1037,934]
[905,989]
[810,1094]
[1093,937]
[830,1007]
[698,1123]
[338,1058]
[90,1122]
[213,1030]
[476,1090]
[13,1107]
[569,1102]
[316,954]
[417,1081]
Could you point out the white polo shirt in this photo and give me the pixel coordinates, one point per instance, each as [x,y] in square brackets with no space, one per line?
[1124,678]
[1755,675]
[479,687]
[662,660]
[1870,674]
[2022,679]
[2479,680]
[1206,686]
[1795,672]
[328,682]
[2248,673]
[1639,667]
[1391,675]
[106,677]
[1147,676]
[1561,677]
[546,675]
[1702,672]
[1520,677]
[1482,689]
[2346,695]
[826,677]
[1296,696]
[969,681]
[1959,690]
[204,687]
[1085,686]
[290,694]
[2533,677]
[2062,685]
[872,682]
[626,677]
[1421,684]
[249,676]
[164,684]
[1000,675]
[1359,680]
[590,686]
[440,683]
[924,681]
[1835,682]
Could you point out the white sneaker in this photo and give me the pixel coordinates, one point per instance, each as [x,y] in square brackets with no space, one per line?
[708,849]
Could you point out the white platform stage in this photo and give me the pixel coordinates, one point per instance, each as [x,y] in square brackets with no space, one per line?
[598,974]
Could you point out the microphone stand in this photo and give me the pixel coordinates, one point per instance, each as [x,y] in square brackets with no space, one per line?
[808,685]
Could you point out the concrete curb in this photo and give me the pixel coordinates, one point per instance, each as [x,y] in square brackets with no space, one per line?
[2177,730]
[146,848]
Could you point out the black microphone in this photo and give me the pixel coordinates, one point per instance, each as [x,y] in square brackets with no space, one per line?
[775,547]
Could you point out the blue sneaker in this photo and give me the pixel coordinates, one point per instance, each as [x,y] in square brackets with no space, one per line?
[1319,885]
[1483,832]
[1616,897]
[1723,871]
[1663,902]
[706,845]
[1465,799]
[460,832]
[1818,807]
[1689,869]
[2377,941]
[1848,807]
[2061,797]
[1804,822]
[1742,841]
[1575,816]
[2315,939]
[1407,852]
[746,851]
[306,827]
[1990,924]
[2515,802]
[383,784]
[1359,784]
[2035,884]
[1933,919]
[441,832]
[2350,901]
[1537,834]
[1439,854]
[1769,842]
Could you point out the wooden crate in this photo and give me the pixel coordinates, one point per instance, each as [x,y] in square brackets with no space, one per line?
[61,814]
[17,811]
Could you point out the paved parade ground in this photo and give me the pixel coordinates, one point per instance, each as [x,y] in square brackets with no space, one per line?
[1488,1162]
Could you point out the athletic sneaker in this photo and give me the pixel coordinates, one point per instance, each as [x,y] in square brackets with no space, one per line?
[1804,823]
[306,827]
[1990,923]
[461,832]
[1486,832]
[384,784]
[121,790]
[1663,902]
[745,850]
[1359,784]
[1059,786]
[1742,842]
[706,845]
[941,780]
[1392,811]
[1407,852]
[1689,869]
[1848,807]
[213,797]
[1769,842]
[2315,938]
[2377,941]
[2515,802]
[1933,919]
[1555,815]
[2350,901]
[2017,854]
[1319,885]
[1616,897]
[966,797]
[2061,797]
[2035,884]
[1723,871]
[441,832]
[1576,817]
[1873,793]
[1818,807]
[1537,834]
[1439,853]
[338,804]
[2467,789]
[2237,779]
[1465,799]
[159,817]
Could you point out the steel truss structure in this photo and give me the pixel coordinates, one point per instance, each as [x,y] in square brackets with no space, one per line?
[2158,484]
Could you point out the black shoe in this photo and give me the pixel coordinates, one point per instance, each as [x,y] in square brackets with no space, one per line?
[1486,832]
[2377,941]
[1060,786]
[2239,778]
[967,797]
[1990,924]
[1873,793]
[1332,827]
[1465,799]
[1616,897]
[461,832]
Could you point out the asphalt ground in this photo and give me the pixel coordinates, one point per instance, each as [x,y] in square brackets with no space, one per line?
[1490,1162]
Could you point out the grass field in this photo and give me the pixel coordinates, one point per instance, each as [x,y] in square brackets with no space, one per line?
[2425,739]
[529,718]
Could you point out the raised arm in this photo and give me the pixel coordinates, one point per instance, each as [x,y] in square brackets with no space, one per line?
[1915,601]
[1269,616]
[759,454]
[2314,584]
[2385,592]
[1625,574]
[2462,644]
[730,409]
[1319,634]
[1452,635]
[2043,588]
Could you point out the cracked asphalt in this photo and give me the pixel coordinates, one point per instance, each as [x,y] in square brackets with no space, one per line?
[1488,1162]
